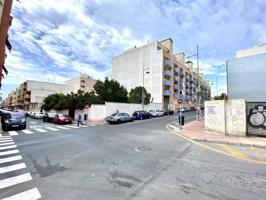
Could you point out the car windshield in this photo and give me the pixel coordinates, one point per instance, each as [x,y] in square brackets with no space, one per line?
[51,114]
[61,115]
[17,115]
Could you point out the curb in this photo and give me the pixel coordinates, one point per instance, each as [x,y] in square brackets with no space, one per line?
[217,141]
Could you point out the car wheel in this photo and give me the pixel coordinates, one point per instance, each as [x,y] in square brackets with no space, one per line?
[141,118]
[118,121]
[5,128]
[23,127]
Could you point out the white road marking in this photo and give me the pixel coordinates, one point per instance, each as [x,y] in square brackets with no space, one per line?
[7,143]
[4,137]
[12,168]
[40,130]
[32,194]
[70,126]
[62,127]
[8,147]
[7,140]
[27,131]
[4,183]
[9,152]
[12,133]
[10,159]
[53,129]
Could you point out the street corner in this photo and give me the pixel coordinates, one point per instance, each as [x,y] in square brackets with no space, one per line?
[242,151]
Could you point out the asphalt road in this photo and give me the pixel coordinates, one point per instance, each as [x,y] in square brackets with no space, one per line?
[139,160]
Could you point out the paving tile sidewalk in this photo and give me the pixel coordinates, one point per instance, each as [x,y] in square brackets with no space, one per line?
[195,131]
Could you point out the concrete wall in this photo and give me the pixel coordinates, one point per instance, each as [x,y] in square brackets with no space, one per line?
[100,112]
[226,117]
[236,117]
[252,51]
[215,116]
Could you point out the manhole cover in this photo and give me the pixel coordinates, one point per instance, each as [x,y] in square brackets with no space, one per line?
[142,148]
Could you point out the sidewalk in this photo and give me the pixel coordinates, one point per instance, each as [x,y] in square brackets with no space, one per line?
[195,131]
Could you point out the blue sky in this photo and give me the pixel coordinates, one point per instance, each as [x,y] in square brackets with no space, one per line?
[56,40]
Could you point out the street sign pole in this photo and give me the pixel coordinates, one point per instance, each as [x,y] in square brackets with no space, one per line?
[180,102]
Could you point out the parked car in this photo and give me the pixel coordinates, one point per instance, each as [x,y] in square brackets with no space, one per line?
[119,118]
[48,117]
[62,119]
[142,114]
[193,109]
[169,112]
[11,120]
[38,115]
[156,113]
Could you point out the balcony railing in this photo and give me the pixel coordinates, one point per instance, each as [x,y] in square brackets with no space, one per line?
[167,83]
[177,69]
[167,63]
[167,73]
[176,87]
[176,79]
[180,87]
[167,93]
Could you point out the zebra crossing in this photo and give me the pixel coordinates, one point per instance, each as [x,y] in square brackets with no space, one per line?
[13,173]
[43,129]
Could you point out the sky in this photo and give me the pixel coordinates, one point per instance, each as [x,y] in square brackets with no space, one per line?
[57,40]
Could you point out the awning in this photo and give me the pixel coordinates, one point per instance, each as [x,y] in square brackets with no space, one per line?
[8,44]
[5,70]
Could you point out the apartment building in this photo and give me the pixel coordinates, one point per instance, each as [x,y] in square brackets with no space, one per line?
[165,75]
[246,75]
[30,94]
[5,22]
[84,83]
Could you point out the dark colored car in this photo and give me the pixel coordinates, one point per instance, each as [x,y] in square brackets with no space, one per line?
[48,117]
[62,119]
[119,118]
[12,120]
[169,112]
[142,114]
[193,109]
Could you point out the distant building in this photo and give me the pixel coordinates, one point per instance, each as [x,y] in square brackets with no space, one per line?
[30,95]
[164,74]
[246,75]
[84,83]
[5,22]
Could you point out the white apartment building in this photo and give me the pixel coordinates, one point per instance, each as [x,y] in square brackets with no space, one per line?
[30,95]
[165,75]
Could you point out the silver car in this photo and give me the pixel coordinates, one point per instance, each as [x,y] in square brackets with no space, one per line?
[119,118]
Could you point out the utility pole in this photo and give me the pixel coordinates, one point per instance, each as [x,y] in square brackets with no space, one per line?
[217,86]
[198,74]
[142,93]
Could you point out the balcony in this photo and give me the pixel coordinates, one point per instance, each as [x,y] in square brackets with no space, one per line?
[181,87]
[176,87]
[167,73]
[177,69]
[176,79]
[167,93]
[167,63]
[167,83]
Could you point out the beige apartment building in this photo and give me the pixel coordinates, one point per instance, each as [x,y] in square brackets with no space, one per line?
[165,75]
[84,83]
[30,95]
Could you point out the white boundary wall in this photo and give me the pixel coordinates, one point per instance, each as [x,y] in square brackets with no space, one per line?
[226,117]
[100,112]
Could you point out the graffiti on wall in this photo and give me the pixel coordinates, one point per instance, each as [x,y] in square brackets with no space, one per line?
[257,116]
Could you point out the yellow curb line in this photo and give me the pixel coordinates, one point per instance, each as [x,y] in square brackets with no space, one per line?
[215,150]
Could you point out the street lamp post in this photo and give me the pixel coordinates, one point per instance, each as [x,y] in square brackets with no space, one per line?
[142,93]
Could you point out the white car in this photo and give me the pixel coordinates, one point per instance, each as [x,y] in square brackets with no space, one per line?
[156,113]
[37,115]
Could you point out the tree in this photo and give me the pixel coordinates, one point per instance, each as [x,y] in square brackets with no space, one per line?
[221,97]
[135,95]
[55,101]
[111,90]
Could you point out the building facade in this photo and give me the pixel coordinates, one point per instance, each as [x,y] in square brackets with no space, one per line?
[246,75]
[84,83]
[5,22]
[165,75]
[29,95]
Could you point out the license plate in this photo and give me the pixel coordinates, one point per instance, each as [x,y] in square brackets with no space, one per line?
[15,125]
[66,120]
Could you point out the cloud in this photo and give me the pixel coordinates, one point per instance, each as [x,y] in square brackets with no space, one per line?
[59,40]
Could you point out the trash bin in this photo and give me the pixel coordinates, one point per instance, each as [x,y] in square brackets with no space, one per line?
[181,120]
